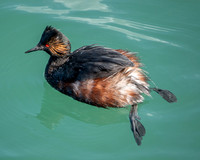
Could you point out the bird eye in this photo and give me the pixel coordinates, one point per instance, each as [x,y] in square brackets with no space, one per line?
[47,45]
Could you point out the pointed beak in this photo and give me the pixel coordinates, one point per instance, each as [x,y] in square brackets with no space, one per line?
[36,48]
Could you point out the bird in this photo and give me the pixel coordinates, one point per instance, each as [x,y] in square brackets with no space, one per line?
[98,76]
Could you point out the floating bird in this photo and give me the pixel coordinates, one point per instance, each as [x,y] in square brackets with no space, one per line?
[98,76]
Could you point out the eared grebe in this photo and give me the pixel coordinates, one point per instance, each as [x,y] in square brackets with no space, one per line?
[97,75]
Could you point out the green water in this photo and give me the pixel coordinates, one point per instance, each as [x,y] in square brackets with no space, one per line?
[39,123]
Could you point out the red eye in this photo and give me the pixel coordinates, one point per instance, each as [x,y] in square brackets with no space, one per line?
[47,45]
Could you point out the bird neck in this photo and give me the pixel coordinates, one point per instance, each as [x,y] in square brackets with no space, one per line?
[53,66]
[57,61]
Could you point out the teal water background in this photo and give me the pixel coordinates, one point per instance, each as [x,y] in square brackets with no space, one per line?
[37,122]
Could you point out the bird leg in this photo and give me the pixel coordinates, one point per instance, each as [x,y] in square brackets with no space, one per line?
[136,127]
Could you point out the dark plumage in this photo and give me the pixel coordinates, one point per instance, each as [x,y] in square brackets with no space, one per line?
[97,75]
[91,62]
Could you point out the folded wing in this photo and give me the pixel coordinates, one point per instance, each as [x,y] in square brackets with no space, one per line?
[91,62]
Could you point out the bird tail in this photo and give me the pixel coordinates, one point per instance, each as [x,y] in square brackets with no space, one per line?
[165,94]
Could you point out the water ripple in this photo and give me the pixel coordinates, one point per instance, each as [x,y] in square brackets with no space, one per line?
[105,23]
[41,9]
[114,24]
[86,5]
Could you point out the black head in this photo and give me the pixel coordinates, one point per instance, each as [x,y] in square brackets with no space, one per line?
[53,42]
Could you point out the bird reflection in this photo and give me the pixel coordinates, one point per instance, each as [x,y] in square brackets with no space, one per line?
[56,106]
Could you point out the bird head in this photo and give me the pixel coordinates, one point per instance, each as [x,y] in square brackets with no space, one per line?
[53,42]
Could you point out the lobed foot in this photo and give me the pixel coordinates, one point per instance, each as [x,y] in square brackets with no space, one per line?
[136,126]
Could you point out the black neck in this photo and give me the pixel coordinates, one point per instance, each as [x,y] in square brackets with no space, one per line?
[57,61]
[54,64]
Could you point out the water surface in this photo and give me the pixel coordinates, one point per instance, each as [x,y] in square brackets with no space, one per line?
[38,122]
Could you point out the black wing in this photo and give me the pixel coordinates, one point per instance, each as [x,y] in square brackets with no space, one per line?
[96,62]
